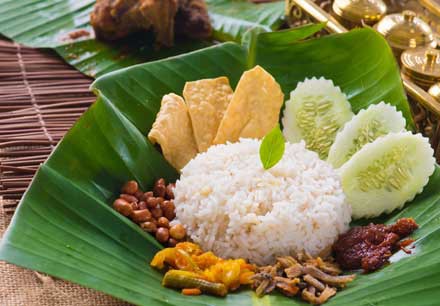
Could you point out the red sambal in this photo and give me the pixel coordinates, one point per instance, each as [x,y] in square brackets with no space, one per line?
[369,247]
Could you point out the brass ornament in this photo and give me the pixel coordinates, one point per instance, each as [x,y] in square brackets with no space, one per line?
[406,30]
[425,107]
[434,91]
[359,12]
[422,66]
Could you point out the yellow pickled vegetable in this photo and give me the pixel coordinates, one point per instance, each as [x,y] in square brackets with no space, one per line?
[226,272]
[185,262]
[167,255]
[190,248]
[206,260]
[191,268]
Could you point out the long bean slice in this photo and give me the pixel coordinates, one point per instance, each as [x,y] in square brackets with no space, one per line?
[185,279]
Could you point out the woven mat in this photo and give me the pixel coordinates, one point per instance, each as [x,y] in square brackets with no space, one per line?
[40,99]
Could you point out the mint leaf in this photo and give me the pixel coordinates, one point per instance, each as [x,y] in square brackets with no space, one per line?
[272,148]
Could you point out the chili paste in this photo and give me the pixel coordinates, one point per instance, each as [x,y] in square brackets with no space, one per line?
[369,247]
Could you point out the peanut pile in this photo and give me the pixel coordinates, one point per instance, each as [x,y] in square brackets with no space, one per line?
[152,210]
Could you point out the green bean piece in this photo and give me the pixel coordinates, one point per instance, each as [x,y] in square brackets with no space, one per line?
[185,279]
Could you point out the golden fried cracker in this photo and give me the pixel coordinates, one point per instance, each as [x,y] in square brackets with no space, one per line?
[172,130]
[254,109]
[207,101]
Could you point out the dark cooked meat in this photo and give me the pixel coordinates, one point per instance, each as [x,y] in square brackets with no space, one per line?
[116,19]
[369,247]
[192,19]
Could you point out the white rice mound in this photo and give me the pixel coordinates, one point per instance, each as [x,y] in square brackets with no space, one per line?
[233,207]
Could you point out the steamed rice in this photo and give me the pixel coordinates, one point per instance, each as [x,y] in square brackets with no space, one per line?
[230,205]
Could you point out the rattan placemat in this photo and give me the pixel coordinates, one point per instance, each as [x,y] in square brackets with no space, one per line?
[40,98]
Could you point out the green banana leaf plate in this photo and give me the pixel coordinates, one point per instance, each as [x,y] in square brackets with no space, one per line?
[66,227]
[48,23]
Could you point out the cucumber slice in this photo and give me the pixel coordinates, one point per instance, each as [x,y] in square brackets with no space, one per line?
[377,120]
[316,111]
[386,173]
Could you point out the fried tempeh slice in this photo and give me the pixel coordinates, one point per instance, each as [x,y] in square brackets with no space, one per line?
[207,101]
[254,109]
[172,130]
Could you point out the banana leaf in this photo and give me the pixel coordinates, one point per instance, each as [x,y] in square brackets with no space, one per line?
[65,225]
[232,19]
[48,23]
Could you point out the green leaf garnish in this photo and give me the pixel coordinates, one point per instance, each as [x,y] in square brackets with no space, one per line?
[272,148]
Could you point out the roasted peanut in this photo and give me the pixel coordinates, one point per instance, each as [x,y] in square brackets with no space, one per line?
[152,210]
[172,242]
[168,210]
[152,202]
[177,231]
[139,195]
[134,205]
[148,195]
[163,222]
[162,234]
[123,207]
[129,198]
[169,191]
[149,227]
[130,187]
[159,188]
[157,212]
[163,204]
[139,216]
[142,205]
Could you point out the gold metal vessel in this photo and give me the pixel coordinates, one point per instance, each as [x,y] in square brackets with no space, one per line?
[422,66]
[359,12]
[434,91]
[406,30]
[425,106]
